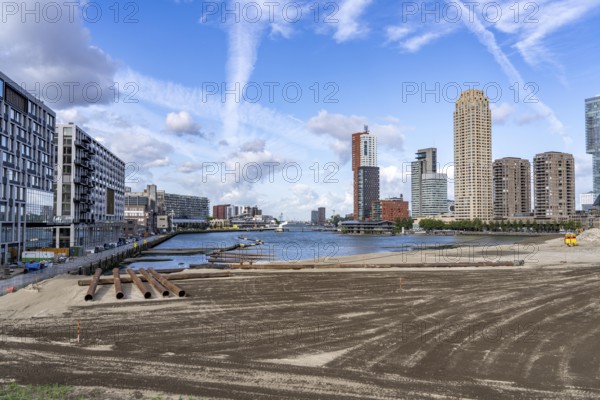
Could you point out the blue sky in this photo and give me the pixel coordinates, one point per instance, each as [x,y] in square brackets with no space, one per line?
[392,65]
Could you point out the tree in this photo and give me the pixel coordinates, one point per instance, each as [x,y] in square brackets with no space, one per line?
[406,223]
[335,220]
[431,224]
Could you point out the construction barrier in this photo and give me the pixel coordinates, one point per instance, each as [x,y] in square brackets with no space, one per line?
[571,239]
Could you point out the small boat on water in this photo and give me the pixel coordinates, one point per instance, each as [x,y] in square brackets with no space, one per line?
[280,227]
[183,265]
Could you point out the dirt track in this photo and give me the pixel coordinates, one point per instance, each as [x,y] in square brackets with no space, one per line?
[531,333]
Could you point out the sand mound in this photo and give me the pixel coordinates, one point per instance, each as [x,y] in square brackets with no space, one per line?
[591,235]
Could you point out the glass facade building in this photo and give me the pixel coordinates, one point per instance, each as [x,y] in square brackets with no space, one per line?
[89,190]
[429,189]
[26,171]
[592,136]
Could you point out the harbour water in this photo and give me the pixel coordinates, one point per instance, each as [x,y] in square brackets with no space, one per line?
[301,242]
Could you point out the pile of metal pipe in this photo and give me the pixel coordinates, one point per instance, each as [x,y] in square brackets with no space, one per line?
[138,282]
[150,279]
[170,277]
[117,281]
[90,293]
[171,286]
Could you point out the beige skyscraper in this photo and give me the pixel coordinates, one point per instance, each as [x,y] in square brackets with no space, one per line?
[473,156]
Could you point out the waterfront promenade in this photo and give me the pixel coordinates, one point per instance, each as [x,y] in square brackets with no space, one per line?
[23,280]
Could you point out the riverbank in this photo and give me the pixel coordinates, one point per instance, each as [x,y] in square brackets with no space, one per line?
[56,296]
[85,265]
[514,332]
[533,251]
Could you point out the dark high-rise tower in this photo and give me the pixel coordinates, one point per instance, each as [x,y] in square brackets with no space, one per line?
[366,174]
[512,187]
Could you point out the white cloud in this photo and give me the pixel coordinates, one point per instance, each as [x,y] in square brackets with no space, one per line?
[392,182]
[182,123]
[395,33]
[340,127]
[56,60]
[529,118]
[254,146]
[414,32]
[160,162]
[536,21]
[349,25]
[487,38]
[189,167]
[501,113]
[244,38]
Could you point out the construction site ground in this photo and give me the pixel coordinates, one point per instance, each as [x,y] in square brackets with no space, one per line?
[521,332]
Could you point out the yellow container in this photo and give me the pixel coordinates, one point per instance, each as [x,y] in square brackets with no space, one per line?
[571,239]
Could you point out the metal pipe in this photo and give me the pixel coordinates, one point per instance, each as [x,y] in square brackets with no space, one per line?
[170,277]
[117,280]
[135,279]
[90,293]
[172,287]
[154,282]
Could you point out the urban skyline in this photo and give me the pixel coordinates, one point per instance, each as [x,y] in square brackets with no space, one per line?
[171,108]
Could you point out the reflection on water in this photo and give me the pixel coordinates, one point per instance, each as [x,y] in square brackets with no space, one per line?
[302,243]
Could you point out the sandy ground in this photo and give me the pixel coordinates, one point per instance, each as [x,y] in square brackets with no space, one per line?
[364,333]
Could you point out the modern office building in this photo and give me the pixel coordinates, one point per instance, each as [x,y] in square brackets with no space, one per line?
[429,189]
[89,190]
[180,206]
[473,156]
[592,136]
[512,187]
[26,173]
[554,185]
[390,209]
[587,200]
[366,174]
